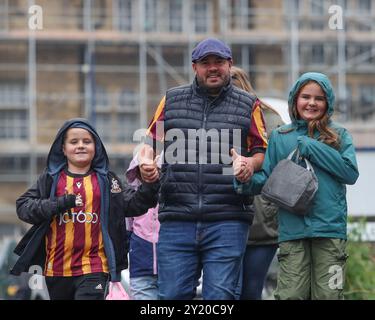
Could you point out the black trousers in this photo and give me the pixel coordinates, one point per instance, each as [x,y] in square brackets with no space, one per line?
[86,287]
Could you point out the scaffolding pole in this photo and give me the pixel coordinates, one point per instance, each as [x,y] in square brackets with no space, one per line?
[189,28]
[32,101]
[294,43]
[341,73]
[89,66]
[142,66]
[161,67]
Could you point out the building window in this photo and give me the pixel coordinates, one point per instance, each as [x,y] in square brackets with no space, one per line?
[124,15]
[98,14]
[117,128]
[150,23]
[101,98]
[365,50]
[175,16]
[366,101]
[117,125]
[3,16]
[14,122]
[292,10]
[240,14]
[14,165]
[200,16]
[127,124]
[13,95]
[103,126]
[317,15]
[365,19]
[349,51]
[317,54]
[344,4]
[364,6]
[292,7]
[128,99]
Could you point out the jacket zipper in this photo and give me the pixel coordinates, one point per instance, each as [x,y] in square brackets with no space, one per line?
[204,125]
[108,245]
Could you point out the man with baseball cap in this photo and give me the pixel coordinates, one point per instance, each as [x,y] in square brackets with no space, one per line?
[203,221]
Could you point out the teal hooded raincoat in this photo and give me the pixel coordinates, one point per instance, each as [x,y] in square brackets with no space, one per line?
[334,169]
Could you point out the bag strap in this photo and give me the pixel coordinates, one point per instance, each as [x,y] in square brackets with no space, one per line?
[309,166]
[119,287]
[308,163]
[292,153]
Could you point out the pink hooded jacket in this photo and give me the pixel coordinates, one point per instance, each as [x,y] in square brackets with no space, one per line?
[146,226]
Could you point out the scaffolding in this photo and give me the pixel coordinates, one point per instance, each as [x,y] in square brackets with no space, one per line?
[112,60]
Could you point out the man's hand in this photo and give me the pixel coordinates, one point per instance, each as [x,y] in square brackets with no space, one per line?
[148,165]
[243,166]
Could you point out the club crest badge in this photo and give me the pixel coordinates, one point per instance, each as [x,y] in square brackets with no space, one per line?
[115,188]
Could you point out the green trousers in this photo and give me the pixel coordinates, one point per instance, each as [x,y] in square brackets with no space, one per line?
[312,268]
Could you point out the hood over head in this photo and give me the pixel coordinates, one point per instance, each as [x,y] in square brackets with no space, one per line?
[324,83]
[56,159]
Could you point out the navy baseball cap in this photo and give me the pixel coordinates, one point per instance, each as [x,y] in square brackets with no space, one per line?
[211,46]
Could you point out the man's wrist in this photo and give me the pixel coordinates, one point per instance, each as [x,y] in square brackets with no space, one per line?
[250,164]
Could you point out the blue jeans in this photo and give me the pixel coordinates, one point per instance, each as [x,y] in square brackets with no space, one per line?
[256,261]
[144,288]
[186,248]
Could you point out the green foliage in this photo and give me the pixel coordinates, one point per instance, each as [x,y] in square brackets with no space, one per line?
[360,266]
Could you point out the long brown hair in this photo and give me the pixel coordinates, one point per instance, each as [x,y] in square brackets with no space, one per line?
[326,134]
[241,80]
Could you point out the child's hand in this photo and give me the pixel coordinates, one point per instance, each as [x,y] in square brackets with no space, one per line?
[148,165]
[242,166]
[78,198]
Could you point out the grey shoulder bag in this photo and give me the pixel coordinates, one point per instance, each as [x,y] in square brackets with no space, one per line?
[291,186]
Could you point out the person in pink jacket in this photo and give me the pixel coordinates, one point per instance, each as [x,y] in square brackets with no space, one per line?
[144,232]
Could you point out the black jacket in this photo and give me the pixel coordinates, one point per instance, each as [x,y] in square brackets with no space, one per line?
[38,205]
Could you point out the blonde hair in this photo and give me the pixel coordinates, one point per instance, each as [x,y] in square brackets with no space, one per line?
[241,80]
[326,134]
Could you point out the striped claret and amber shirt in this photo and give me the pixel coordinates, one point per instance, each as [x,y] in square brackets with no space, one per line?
[257,137]
[74,242]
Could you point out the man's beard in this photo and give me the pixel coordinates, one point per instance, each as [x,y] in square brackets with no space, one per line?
[213,90]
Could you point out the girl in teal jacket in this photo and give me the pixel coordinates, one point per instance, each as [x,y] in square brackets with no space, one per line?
[312,247]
